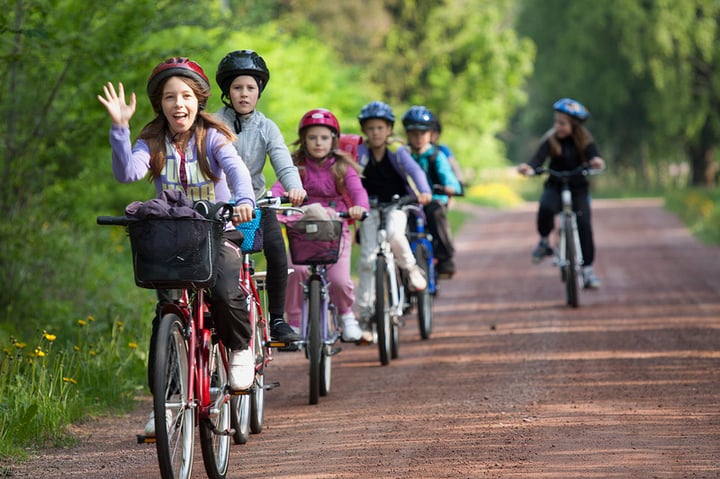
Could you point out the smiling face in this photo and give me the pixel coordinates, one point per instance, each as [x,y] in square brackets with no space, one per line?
[244,94]
[179,105]
[318,141]
[377,132]
[563,125]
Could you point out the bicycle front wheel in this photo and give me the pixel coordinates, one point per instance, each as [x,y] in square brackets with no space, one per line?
[571,264]
[314,341]
[174,416]
[424,298]
[214,430]
[257,398]
[382,313]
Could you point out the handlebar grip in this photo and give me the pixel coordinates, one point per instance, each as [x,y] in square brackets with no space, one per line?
[113,220]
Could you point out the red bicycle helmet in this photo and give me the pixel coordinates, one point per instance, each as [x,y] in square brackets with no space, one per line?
[319,117]
[176,66]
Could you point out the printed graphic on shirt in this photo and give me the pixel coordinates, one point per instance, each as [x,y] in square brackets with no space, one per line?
[199,187]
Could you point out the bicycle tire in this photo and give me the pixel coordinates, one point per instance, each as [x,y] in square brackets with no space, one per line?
[174,439]
[424,298]
[315,345]
[571,264]
[395,320]
[240,405]
[214,437]
[382,313]
[257,397]
[325,371]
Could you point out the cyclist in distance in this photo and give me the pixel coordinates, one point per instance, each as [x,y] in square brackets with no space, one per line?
[568,145]
[242,76]
[185,148]
[386,171]
[330,177]
[419,123]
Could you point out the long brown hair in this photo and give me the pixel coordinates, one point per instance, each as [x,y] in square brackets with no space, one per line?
[580,135]
[343,160]
[157,130]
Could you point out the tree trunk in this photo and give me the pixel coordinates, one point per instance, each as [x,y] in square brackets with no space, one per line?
[703,169]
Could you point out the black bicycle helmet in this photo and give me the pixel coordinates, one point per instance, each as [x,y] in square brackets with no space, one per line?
[418,118]
[571,108]
[176,66]
[241,62]
[376,109]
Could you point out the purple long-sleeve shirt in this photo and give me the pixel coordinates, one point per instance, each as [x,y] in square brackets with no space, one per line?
[320,186]
[132,163]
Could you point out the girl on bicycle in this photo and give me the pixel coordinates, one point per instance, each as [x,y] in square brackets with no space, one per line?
[568,144]
[330,177]
[386,171]
[242,76]
[185,148]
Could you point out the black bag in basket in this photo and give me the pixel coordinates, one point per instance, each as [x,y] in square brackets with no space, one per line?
[175,252]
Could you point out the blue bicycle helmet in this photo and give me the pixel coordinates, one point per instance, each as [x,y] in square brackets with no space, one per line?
[418,118]
[376,109]
[571,108]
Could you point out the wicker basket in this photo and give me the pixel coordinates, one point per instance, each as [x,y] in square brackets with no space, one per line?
[314,242]
[175,252]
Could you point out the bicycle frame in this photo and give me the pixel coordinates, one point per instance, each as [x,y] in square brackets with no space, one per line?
[328,318]
[383,249]
[417,235]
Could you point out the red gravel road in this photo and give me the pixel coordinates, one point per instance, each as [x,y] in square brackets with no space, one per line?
[512,383]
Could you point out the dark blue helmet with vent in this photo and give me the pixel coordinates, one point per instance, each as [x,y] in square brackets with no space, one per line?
[376,109]
[418,118]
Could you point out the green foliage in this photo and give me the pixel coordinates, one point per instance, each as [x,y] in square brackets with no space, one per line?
[699,208]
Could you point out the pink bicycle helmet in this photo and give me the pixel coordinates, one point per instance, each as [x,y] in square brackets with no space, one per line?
[176,66]
[319,117]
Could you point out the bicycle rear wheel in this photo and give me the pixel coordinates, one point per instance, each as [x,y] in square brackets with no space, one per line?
[214,435]
[571,264]
[240,405]
[424,298]
[174,416]
[314,342]
[257,398]
[382,313]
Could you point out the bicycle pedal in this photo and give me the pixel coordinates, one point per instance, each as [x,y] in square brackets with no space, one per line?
[141,439]
[334,351]
[284,346]
[244,392]
[270,386]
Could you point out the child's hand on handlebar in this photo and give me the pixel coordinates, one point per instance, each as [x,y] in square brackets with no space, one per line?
[242,213]
[424,198]
[525,169]
[296,196]
[357,213]
[597,163]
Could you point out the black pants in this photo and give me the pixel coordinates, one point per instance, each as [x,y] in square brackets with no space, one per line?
[436,215]
[277,264]
[551,204]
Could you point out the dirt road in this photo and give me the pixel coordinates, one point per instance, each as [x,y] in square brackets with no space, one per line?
[512,384]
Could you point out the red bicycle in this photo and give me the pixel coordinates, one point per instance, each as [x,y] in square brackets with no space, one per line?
[190,368]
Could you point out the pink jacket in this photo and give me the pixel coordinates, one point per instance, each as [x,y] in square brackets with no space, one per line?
[319,183]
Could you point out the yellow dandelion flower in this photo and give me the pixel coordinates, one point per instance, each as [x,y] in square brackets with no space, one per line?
[92,353]
[90,318]
[119,324]
[132,345]
[39,353]
[82,322]
[49,337]
[76,348]
[19,344]
[70,380]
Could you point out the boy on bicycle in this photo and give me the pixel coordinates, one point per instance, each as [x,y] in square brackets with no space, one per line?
[386,172]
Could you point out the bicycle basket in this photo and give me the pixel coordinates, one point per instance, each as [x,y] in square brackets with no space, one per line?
[314,241]
[175,252]
[252,234]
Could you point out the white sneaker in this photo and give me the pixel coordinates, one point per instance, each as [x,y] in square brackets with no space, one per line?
[150,426]
[416,278]
[350,328]
[242,369]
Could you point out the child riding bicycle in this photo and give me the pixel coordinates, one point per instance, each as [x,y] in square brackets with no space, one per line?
[386,172]
[568,144]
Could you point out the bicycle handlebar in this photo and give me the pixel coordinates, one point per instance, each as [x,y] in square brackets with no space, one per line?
[440,190]
[582,170]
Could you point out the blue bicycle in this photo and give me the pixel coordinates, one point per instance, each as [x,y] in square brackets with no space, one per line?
[421,245]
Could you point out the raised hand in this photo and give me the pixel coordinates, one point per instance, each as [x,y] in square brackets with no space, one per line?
[120,112]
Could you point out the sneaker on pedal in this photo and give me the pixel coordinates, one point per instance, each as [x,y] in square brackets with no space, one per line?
[282,331]
[150,426]
[242,369]
[446,268]
[350,328]
[542,250]
[416,278]
[589,279]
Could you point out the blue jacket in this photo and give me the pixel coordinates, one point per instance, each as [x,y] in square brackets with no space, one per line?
[440,173]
